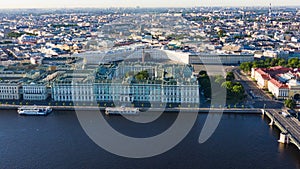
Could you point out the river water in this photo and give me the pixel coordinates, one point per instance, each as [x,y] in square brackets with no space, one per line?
[58,141]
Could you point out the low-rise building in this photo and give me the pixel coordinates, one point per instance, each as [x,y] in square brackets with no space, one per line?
[282,82]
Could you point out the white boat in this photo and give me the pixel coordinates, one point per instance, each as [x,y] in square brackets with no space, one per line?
[121,111]
[34,110]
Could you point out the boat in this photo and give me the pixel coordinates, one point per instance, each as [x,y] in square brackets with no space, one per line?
[121,111]
[34,110]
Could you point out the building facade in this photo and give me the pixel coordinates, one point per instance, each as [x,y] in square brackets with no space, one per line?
[9,90]
[283,83]
[226,59]
[162,85]
[35,91]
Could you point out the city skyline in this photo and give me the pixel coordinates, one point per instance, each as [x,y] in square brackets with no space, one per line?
[141,3]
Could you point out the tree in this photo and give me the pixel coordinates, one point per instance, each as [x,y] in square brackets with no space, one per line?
[142,75]
[228,85]
[230,76]
[238,89]
[293,62]
[206,86]
[202,73]
[290,103]
[221,33]
[281,62]
[246,66]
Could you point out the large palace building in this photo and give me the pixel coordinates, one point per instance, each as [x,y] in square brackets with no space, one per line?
[129,82]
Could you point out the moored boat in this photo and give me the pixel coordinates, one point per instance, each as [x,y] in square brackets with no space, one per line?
[34,110]
[121,111]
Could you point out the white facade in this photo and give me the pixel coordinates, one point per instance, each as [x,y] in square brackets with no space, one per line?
[261,77]
[277,91]
[9,91]
[227,59]
[82,92]
[118,92]
[35,92]
[167,83]
[147,92]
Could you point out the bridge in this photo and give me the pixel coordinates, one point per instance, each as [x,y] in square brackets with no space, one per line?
[289,127]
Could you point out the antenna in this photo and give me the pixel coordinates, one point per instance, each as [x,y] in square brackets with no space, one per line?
[270,10]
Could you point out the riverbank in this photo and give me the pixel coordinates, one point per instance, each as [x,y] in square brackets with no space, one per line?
[170,110]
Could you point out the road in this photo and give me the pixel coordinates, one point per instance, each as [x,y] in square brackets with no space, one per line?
[291,124]
[256,97]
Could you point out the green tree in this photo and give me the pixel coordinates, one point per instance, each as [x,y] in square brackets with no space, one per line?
[221,33]
[281,62]
[293,62]
[202,73]
[205,86]
[246,66]
[142,75]
[290,103]
[230,76]
[228,85]
[238,91]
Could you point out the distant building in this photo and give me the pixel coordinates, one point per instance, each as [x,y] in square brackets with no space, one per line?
[226,59]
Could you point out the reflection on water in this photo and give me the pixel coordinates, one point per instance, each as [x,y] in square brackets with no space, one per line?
[281,148]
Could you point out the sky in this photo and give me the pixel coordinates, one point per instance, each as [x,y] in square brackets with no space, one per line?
[141,3]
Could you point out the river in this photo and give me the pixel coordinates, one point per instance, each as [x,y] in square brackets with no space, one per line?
[58,141]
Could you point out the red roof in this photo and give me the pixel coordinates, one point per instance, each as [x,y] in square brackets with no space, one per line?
[263,74]
[278,84]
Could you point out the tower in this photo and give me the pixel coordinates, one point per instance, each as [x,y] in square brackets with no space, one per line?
[143,56]
[270,11]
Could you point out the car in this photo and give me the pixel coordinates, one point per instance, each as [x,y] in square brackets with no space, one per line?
[285,114]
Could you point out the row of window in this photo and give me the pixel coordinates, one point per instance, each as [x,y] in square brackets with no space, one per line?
[35,91]
[9,87]
[71,98]
[114,98]
[9,97]
[35,97]
[8,91]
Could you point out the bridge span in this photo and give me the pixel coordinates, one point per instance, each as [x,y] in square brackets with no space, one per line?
[289,127]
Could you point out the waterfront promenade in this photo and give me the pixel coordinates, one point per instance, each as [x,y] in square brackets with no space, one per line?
[191,109]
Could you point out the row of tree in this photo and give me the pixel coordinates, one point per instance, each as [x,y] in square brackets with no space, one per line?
[267,63]
[235,91]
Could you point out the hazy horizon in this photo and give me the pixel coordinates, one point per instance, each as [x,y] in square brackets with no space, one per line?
[14,4]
